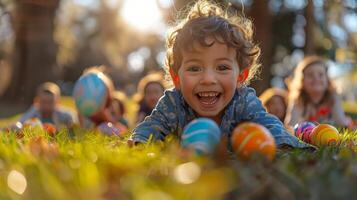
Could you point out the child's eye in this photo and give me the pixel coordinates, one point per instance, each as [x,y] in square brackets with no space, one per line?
[223,67]
[193,68]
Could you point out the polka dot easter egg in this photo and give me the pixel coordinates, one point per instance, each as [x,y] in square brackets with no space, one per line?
[202,135]
[249,138]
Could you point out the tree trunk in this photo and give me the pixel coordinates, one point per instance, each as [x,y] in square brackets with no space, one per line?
[262,20]
[309,29]
[34,55]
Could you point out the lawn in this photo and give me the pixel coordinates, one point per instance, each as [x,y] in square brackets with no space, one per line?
[92,166]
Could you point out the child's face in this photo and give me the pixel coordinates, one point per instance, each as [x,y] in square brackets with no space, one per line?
[276,106]
[208,78]
[315,79]
[46,103]
[153,92]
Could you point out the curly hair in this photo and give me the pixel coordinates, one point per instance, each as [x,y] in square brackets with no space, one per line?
[207,19]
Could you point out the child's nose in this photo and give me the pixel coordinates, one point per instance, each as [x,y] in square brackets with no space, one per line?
[208,77]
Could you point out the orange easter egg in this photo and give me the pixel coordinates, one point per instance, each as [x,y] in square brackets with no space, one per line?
[325,134]
[248,138]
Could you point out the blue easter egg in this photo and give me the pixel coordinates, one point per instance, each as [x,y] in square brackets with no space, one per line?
[202,135]
[90,93]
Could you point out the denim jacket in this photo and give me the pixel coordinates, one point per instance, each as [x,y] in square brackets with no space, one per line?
[172,114]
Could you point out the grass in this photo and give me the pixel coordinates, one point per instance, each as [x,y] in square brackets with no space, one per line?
[93,166]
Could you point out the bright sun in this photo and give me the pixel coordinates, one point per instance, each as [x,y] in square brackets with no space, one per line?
[144,15]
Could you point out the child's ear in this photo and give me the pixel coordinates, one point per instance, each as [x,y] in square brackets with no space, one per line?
[243,76]
[175,78]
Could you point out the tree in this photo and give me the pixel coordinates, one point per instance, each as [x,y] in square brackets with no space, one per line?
[33,58]
[262,20]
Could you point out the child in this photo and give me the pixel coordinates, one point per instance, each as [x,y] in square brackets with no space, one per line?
[46,108]
[150,89]
[210,57]
[118,108]
[312,96]
[274,101]
[93,94]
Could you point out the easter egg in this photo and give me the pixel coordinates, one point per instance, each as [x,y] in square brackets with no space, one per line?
[50,128]
[202,135]
[90,93]
[33,123]
[324,134]
[303,131]
[108,128]
[248,138]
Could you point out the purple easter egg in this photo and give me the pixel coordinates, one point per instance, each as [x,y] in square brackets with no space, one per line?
[108,128]
[303,130]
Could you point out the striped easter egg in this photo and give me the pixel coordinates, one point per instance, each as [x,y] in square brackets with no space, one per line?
[202,135]
[90,93]
[248,138]
[303,131]
[325,134]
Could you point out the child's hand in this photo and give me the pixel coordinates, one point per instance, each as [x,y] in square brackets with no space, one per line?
[130,143]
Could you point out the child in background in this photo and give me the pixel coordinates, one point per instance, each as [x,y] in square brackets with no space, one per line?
[312,95]
[150,89]
[93,94]
[275,102]
[118,108]
[211,57]
[47,109]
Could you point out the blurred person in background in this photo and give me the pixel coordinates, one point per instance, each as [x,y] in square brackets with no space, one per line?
[312,95]
[275,102]
[118,108]
[150,89]
[47,109]
[93,94]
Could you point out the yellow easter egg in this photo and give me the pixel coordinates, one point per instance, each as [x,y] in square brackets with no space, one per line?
[324,135]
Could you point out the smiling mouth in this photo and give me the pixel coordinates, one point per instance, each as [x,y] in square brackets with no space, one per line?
[208,98]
